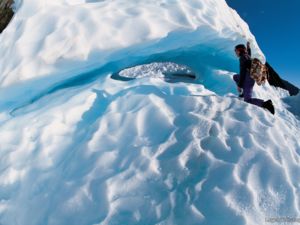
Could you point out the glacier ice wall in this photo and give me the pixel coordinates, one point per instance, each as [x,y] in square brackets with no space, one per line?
[42,47]
[80,148]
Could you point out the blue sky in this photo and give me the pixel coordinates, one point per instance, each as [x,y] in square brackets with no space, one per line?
[276,26]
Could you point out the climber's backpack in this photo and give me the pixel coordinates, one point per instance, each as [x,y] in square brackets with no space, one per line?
[258,71]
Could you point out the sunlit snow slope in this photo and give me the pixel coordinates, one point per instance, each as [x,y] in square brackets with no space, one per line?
[78,147]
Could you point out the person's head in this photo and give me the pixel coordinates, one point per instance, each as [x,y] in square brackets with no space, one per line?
[240,49]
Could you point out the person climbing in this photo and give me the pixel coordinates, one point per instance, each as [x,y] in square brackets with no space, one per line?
[243,80]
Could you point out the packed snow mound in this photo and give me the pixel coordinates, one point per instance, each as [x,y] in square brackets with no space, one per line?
[78,147]
[147,152]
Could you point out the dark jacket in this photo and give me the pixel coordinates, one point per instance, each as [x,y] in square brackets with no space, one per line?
[245,64]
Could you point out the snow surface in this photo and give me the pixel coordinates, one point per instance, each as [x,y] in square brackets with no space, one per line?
[78,147]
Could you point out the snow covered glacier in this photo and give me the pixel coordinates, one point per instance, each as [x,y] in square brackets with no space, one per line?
[78,147]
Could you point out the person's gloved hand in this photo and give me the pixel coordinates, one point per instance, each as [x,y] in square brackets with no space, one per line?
[239,89]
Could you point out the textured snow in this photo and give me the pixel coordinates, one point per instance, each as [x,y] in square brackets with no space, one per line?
[158,70]
[78,147]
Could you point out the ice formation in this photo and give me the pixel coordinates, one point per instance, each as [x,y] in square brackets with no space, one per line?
[78,147]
